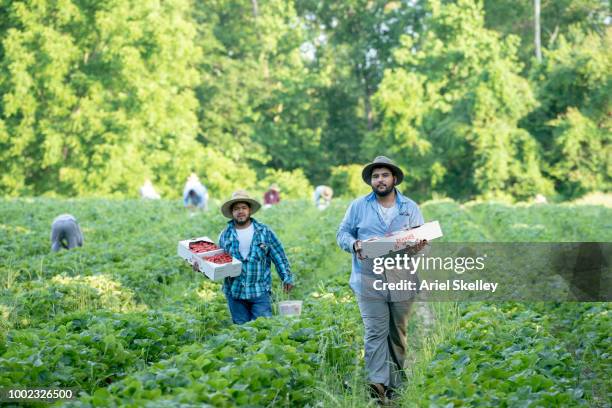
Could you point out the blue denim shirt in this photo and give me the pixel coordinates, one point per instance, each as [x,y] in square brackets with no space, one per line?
[363,221]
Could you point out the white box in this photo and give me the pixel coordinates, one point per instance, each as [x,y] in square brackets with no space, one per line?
[217,272]
[212,270]
[375,247]
[184,251]
[290,308]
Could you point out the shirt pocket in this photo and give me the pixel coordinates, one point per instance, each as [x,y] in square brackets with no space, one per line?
[259,259]
[260,251]
[401,222]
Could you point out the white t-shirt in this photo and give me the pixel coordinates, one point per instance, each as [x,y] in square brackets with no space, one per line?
[387,214]
[245,237]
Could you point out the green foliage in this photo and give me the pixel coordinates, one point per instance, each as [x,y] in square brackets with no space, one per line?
[583,149]
[257,95]
[90,351]
[293,184]
[573,121]
[583,327]
[94,98]
[502,353]
[346,181]
[95,95]
[352,43]
[124,320]
[221,175]
[449,111]
[42,301]
[556,20]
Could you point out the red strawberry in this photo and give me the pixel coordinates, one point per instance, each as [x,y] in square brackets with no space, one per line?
[202,246]
[219,259]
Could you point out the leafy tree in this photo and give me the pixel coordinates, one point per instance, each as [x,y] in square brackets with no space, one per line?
[346,181]
[352,45]
[557,18]
[450,110]
[293,184]
[232,82]
[257,95]
[221,174]
[95,95]
[573,120]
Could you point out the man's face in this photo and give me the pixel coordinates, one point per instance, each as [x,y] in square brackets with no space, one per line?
[382,181]
[241,212]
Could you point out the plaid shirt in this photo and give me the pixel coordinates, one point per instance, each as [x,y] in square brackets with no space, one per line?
[255,279]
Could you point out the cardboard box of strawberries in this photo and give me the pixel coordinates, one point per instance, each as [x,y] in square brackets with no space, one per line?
[212,261]
[380,246]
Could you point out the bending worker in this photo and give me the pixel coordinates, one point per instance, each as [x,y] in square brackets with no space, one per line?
[194,193]
[65,232]
[147,191]
[323,196]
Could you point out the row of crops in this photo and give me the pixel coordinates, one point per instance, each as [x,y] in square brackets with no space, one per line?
[124,321]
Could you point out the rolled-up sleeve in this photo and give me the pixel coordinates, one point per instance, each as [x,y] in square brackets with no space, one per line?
[346,235]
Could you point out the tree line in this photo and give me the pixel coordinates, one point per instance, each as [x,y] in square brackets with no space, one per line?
[96,96]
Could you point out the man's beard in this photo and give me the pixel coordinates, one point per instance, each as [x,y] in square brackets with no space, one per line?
[241,222]
[383,193]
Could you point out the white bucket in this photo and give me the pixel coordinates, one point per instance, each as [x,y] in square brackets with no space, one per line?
[290,308]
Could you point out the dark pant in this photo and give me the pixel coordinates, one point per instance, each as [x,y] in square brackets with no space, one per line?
[245,310]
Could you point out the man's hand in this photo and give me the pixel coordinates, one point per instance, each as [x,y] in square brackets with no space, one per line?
[358,249]
[287,287]
[195,266]
[416,248]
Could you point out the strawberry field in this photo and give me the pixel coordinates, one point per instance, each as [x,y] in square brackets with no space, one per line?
[127,323]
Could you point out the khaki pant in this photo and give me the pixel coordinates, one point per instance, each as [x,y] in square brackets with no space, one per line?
[385,339]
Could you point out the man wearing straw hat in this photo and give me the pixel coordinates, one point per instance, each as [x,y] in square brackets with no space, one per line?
[384,313]
[254,243]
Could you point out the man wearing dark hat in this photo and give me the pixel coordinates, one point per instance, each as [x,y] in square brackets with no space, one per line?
[254,243]
[384,313]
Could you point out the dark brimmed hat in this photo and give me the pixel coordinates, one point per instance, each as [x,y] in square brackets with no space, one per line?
[239,196]
[381,161]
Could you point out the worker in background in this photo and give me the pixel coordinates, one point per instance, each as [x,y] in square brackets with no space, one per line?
[195,194]
[323,196]
[272,196]
[147,191]
[65,232]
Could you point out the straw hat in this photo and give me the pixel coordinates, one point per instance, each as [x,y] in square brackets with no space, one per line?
[381,161]
[275,187]
[240,196]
